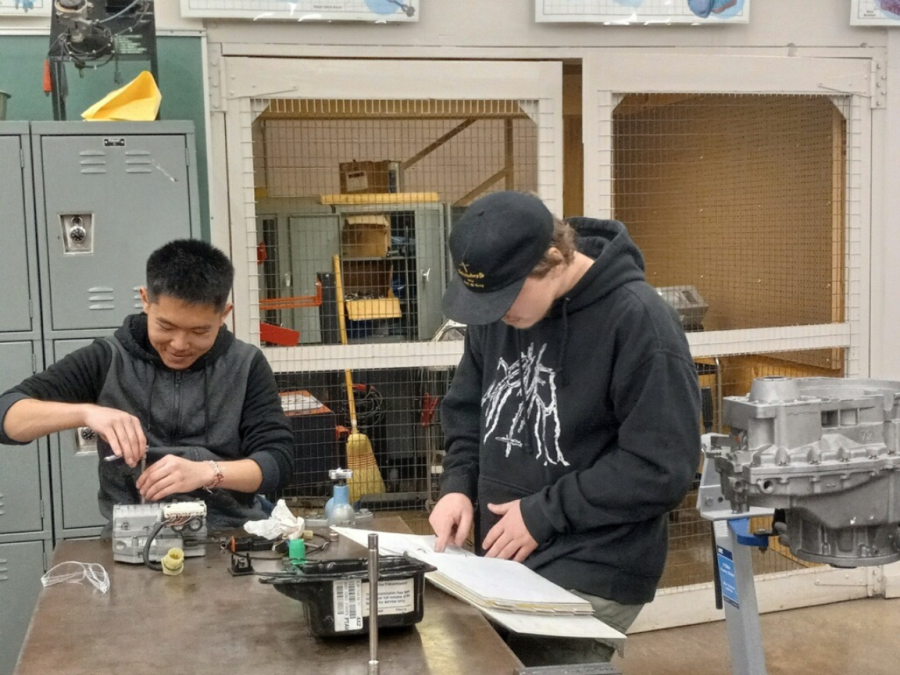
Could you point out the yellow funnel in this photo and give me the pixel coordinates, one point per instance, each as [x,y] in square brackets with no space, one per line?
[137,101]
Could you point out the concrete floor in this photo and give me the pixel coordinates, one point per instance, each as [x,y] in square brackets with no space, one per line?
[860,637]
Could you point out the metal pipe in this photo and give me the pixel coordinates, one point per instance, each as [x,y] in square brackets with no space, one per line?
[719,418]
[373,604]
[143,468]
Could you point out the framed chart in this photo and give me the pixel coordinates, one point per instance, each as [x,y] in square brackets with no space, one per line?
[25,7]
[875,13]
[373,11]
[643,12]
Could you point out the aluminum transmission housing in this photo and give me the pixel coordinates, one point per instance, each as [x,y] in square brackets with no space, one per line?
[826,451]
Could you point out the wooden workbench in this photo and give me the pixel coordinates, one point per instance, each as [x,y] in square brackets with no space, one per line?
[205,621]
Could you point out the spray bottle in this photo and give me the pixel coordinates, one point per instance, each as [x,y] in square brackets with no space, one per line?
[338,510]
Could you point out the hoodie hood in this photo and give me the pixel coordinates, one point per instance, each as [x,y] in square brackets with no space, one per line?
[135,338]
[617,261]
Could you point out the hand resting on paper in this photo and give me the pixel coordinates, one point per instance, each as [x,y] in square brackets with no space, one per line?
[509,538]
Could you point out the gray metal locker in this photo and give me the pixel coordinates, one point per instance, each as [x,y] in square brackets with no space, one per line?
[430,267]
[429,232]
[300,238]
[21,490]
[104,199]
[106,195]
[16,268]
[75,460]
[21,567]
[314,240]
[25,524]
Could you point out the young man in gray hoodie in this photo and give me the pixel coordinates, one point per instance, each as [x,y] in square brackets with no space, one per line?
[174,386]
[572,423]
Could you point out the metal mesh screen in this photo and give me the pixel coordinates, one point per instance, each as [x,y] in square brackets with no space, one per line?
[398,412]
[741,198]
[378,184]
[354,203]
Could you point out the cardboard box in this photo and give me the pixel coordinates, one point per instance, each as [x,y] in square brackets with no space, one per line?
[365,236]
[372,279]
[378,308]
[370,177]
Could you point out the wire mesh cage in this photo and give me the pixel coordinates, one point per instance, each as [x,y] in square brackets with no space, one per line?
[354,203]
[741,198]
[378,184]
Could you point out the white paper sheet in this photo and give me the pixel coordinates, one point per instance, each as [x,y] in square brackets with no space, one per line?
[559,625]
[393,543]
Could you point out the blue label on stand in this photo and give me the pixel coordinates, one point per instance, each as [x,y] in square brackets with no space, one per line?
[727,576]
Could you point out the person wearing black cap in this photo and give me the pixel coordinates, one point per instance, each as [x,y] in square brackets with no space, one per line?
[573,419]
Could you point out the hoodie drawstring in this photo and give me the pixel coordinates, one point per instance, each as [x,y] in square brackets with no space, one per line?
[150,403]
[205,406]
[561,362]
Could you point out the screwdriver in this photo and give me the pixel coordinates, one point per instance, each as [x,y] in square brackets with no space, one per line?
[115,458]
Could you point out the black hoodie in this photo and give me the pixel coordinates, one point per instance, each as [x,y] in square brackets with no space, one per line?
[590,417]
[224,406]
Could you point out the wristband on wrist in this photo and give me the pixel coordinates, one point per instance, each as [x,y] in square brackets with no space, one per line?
[217,479]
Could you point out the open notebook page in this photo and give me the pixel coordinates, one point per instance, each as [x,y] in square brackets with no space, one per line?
[489,582]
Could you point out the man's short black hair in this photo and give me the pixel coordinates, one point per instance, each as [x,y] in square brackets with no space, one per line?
[191,271]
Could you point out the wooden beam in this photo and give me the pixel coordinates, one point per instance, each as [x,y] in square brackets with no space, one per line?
[431,147]
[333,109]
[509,148]
[471,194]
[387,116]
[634,104]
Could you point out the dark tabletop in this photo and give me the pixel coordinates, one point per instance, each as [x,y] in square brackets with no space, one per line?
[207,621]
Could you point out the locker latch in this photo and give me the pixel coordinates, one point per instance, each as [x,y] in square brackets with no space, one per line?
[78,232]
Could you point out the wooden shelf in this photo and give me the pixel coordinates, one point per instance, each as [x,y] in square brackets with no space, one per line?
[378,198]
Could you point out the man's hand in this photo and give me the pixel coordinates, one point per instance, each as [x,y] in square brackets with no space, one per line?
[509,538]
[122,431]
[173,475]
[451,520]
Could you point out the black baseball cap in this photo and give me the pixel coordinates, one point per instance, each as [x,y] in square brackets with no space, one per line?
[495,246]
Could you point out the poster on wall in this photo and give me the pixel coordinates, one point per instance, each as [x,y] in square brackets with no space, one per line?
[643,12]
[25,7]
[373,11]
[875,13]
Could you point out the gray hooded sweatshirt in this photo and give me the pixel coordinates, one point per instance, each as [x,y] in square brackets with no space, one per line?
[225,406]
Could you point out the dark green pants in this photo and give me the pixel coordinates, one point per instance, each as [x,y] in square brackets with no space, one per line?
[538,650]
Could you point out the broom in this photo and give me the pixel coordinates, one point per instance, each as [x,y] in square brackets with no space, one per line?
[360,457]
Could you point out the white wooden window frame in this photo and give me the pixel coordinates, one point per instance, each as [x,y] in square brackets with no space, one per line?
[613,74]
[240,87]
